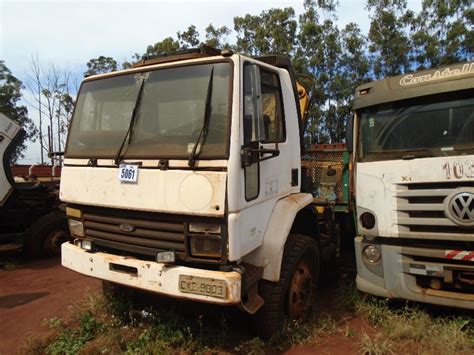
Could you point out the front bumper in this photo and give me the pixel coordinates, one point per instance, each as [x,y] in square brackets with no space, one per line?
[396,277]
[148,275]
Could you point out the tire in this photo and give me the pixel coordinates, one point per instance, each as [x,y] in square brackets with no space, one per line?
[46,235]
[292,296]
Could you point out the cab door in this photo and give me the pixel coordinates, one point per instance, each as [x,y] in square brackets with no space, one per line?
[267,169]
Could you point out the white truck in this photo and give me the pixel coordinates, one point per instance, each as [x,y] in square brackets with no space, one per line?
[182,176]
[31,218]
[413,140]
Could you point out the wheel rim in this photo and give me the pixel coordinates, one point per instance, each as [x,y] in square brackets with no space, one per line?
[54,241]
[301,290]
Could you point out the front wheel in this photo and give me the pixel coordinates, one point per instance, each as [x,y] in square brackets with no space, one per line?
[292,297]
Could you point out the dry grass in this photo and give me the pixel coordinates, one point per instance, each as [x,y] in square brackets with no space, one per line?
[414,330]
[100,325]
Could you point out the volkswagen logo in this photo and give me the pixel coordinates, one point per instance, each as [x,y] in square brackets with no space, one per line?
[126,228]
[459,208]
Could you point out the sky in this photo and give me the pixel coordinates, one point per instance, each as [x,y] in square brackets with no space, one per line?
[69,33]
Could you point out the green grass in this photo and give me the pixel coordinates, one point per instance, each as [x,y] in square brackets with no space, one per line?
[412,329]
[112,326]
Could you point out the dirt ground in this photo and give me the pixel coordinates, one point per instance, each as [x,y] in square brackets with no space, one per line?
[35,291]
[40,290]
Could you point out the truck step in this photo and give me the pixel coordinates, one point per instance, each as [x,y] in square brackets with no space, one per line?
[254,301]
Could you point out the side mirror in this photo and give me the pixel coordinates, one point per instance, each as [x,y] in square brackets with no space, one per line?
[350,134]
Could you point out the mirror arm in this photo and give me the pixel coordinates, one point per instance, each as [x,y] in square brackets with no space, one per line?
[248,154]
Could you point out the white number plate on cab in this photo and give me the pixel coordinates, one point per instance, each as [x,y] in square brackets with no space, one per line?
[128,173]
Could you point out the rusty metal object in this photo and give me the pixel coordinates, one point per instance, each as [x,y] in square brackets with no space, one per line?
[301,292]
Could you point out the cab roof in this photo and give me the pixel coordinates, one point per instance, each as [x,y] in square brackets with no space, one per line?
[426,82]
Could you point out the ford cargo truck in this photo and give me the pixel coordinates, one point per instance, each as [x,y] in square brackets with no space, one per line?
[182,176]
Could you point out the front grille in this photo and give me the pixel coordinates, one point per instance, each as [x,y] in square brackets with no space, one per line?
[143,234]
[147,237]
[421,211]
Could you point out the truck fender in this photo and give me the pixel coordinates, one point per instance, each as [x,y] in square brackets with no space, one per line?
[269,255]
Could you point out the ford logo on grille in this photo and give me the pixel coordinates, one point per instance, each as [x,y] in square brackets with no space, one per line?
[126,228]
[460,208]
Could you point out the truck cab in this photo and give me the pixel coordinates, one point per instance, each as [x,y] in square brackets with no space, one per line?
[182,176]
[31,218]
[414,175]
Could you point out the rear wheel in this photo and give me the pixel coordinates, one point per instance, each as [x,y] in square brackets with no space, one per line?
[46,235]
[292,297]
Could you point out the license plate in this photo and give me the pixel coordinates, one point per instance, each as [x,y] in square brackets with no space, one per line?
[128,173]
[203,286]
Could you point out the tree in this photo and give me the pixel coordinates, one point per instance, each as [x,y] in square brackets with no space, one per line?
[35,79]
[10,95]
[216,37]
[389,36]
[100,65]
[52,91]
[442,33]
[273,31]
[166,46]
[188,38]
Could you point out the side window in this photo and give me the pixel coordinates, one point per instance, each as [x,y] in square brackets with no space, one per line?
[253,127]
[273,117]
[263,119]
[253,122]
[262,97]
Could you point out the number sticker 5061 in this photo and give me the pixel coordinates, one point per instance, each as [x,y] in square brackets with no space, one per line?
[128,173]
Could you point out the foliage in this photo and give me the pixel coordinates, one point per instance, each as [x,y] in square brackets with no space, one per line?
[10,95]
[166,46]
[70,341]
[271,32]
[332,61]
[442,33]
[100,65]
[216,37]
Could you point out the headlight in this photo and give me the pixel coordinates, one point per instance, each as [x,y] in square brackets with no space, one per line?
[206,246]
[372,254]
[76,227]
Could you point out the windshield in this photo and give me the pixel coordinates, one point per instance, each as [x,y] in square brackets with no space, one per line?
[169,114]
[431,126]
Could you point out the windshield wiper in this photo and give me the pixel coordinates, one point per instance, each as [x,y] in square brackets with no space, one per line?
[118,156]
[205,126]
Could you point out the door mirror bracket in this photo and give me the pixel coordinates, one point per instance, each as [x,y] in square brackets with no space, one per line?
[254,154]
